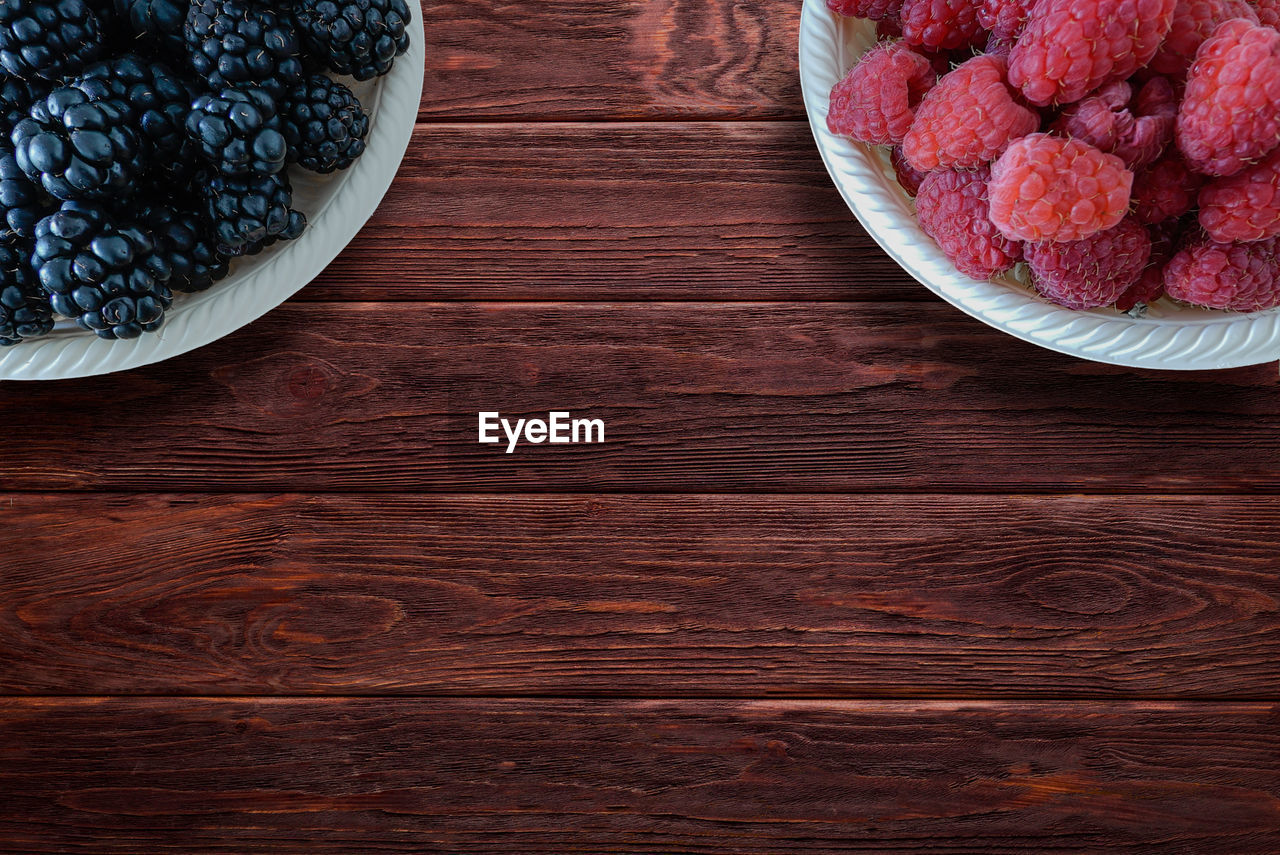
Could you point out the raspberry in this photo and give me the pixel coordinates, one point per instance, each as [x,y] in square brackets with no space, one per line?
[1070,47]
[876,101]
[909,177]
[1268,12]
[1005,19]
[888,29]
[1244,277]
[1193,22]
[1245,206]
[1048,188]
[1155,111]
[876,10]
[1105,120]
[967,119]
[1165,190]
[997,46]
[1230,115]
[942,24]
[953,211]
[1093,272]
[1148,288]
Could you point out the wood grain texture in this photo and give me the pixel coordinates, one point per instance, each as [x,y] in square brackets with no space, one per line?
[607,212]
[611,59]
[688,595]
[696,398]
[354,776]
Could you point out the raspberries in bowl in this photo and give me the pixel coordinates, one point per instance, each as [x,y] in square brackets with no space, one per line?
[1099,176]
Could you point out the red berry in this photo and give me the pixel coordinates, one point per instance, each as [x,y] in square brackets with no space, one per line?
[876,101]
[1244,206]
[1048,188]
[1101,119]
[953,211]
[1004,19]
[1111,119]
[909,177]
[1193,22]
[1240,276]
[1268,12]
[1149,287]
[876,10]
[1094,271]
[1165,190]
[941,24]
[1155,111]
[1070,47]
[1230,115]
[967,119]
[888,29]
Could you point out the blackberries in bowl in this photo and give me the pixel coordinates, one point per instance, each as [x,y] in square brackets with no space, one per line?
[145,145]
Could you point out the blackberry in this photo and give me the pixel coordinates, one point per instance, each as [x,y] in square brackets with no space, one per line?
[293,230]
[22,203]
[76,147]
[157,23]
[16,98]
[158,102]
[325,124]
[24,308]
[361,38]
[238,131]
[235,43]
[48,38]
[247,210]
[102,271]
[183,241]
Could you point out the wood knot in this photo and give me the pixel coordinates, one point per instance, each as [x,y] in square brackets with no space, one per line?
[1081,592]
[289,385]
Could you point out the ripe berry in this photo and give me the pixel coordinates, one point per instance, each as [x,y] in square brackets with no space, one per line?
[967,119]
[101,270]
[247,210]
[1244,206]
[876,100]
[76,147]
[324,124]
[49,40]
[1005,19]
[238,131]
[236,43]
[1093,271]
[1164,191]
[1134,128]
[1230,115]
[1048,188]
[1244,277]
[361,38]
[941,24]
[875,10]
[954,212]
[1070,47]
[24,308]
[1193,22]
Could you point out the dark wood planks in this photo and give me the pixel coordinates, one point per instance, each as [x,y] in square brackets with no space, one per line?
[355,776]
[610,59]
[606,212]
[696,398]
[691,595]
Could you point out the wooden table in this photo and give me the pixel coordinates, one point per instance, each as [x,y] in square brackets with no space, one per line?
[851,573]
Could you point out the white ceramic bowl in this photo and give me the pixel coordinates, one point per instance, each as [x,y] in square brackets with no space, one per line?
[1169,336]
[337,206]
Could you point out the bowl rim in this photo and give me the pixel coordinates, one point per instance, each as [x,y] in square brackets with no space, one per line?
[266,281]
[1175,339]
